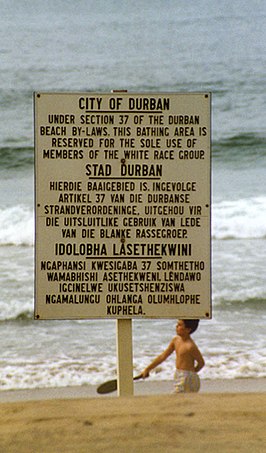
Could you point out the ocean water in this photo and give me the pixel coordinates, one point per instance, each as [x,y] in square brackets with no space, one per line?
[175,46]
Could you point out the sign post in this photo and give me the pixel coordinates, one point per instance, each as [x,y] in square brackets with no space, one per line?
[124,357]
[122,206]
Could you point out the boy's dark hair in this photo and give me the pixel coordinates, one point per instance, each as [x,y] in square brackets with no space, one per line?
[192,324]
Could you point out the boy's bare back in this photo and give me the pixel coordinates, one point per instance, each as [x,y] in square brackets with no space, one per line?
[187,354]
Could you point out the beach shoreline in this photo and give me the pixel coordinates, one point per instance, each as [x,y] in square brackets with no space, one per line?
[141,388]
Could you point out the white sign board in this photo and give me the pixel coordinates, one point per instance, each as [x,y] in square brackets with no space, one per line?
[122,205]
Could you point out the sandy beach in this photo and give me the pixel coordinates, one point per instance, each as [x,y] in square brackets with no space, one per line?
[154,420]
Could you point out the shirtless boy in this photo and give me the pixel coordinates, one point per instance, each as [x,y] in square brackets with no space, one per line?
[189,360]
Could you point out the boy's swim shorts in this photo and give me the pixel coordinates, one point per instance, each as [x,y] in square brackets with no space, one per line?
[186,381]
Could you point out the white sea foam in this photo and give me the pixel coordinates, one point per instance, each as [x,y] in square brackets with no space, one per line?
[239,219]
[71,372]
[16,225]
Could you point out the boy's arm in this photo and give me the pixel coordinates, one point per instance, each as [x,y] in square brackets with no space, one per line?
[198,358]
[159,359]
